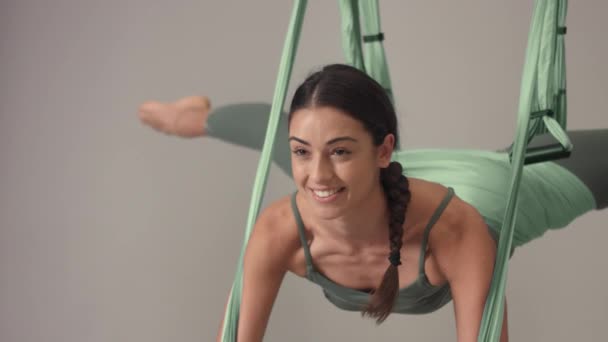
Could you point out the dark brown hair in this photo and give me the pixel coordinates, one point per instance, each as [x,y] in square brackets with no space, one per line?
[358,95]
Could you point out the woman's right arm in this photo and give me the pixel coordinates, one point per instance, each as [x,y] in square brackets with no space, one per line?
[264,267]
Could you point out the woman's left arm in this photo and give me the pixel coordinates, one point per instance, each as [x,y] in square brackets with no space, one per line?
[465,253]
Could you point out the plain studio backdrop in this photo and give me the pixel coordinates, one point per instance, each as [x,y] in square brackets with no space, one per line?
[110,231]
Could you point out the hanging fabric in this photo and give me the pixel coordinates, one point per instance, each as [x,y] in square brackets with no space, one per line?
[542,97]
[351,33]
[231,317]
[373,58]
[373,48]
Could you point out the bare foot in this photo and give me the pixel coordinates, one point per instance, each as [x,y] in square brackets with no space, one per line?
[185,117]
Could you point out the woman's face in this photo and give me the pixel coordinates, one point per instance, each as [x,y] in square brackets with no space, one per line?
[334,161]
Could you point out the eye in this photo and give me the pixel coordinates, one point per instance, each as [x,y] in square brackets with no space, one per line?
[341,152]
[299,152]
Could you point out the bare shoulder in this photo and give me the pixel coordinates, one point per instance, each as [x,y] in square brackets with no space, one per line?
[459,234]
[277,229]
[459,218]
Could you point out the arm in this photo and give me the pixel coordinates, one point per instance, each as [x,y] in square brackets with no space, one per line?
[465,253]
[264,266]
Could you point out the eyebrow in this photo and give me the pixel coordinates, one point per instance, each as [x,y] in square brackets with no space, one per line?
[332,141]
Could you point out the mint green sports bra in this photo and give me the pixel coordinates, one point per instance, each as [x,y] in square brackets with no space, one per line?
[419,297]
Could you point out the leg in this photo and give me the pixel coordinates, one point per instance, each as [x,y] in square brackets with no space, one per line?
[245,124]
[240,124]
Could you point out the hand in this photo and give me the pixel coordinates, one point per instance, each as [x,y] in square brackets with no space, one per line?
[185,117]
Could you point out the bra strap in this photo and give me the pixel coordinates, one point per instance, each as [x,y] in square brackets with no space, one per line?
[303,240]
[427,230]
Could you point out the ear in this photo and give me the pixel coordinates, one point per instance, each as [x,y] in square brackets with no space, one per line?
[385,151]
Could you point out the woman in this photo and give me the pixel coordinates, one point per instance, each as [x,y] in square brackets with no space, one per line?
[342,130]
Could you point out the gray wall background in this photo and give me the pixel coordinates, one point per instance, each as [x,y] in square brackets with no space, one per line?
[112,232]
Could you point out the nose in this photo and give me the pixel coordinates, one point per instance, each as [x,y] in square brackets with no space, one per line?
[322,171]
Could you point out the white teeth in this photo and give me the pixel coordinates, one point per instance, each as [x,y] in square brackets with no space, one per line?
[325,193]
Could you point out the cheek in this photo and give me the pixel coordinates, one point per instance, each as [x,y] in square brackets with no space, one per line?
[356,172]
[298,171]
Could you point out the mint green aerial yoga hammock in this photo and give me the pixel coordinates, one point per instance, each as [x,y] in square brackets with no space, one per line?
[542,97]
[542,108]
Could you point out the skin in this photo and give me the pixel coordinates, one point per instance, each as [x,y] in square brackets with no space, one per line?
[184,117]
[348,238]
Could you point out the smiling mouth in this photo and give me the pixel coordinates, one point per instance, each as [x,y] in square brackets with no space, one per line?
[327,195]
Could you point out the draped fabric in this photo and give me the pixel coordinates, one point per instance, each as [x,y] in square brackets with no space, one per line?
[543,81]
[231,317]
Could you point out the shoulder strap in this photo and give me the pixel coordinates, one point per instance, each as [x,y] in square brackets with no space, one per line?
[427,230]
[300,224]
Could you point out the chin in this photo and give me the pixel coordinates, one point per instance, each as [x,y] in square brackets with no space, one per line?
[328,215]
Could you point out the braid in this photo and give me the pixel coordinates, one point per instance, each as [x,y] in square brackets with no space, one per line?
[397,191]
